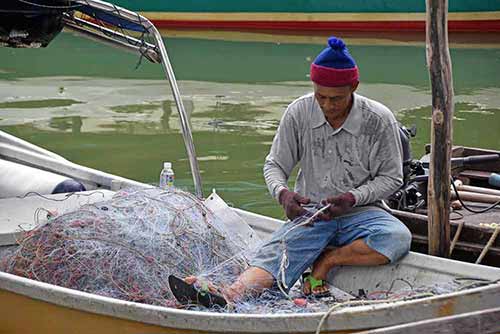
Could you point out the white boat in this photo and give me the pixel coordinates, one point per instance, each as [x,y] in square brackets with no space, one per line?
[30,306]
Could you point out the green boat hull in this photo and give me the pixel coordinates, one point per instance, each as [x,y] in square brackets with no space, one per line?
[318,15]
[302,6]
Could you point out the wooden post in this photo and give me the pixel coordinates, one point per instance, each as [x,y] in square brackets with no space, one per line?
[439,63]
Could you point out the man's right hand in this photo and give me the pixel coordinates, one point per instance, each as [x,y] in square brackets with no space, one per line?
[291,202]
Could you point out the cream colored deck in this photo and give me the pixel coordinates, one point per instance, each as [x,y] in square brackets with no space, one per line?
[20,214]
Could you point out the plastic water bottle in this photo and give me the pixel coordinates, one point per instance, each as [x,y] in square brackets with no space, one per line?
[167,176]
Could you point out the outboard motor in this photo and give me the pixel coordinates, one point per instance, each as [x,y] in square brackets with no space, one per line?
[411,195]
[31,24]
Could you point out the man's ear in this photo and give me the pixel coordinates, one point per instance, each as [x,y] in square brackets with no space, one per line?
[354,86]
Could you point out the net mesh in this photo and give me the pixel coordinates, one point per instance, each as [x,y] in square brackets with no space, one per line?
[128,246]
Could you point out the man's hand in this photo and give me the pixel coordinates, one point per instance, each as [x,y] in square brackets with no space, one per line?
[291,202]
[339,205]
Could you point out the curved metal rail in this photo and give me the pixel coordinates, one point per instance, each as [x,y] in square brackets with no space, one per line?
[145,49]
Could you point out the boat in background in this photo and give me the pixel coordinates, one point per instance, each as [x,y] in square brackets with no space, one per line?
[475,234]
[318,15]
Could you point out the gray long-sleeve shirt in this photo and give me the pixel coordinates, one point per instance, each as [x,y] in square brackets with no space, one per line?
[363,156]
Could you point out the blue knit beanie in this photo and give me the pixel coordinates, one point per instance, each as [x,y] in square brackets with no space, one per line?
[334,66]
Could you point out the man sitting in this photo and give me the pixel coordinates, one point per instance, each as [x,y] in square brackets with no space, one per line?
[349,152]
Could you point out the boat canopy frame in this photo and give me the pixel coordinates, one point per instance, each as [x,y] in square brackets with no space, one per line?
[111,24]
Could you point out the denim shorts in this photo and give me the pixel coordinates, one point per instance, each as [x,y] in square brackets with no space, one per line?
[302,245]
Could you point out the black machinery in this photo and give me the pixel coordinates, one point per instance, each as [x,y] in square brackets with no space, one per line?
[413,194]
[32,23]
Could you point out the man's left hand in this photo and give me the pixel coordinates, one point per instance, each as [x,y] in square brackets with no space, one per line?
[339,205]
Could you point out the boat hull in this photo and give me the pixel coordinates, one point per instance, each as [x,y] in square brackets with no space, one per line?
[322,15]
[55,310]
[360,22]
[46,317]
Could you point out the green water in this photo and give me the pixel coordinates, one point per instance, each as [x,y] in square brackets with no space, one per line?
[94,107]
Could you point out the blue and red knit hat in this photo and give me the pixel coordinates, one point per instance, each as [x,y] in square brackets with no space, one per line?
[334,66]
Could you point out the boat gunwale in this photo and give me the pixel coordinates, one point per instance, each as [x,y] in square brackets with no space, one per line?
[199,320]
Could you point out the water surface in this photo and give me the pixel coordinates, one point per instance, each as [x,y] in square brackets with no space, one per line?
[94,107]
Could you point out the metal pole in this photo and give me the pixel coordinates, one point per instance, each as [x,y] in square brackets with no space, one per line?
[167,67]
[186,128]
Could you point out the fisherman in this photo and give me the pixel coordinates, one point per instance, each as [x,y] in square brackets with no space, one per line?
[350,157]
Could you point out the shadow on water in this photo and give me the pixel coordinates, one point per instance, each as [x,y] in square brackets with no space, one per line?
[30,104]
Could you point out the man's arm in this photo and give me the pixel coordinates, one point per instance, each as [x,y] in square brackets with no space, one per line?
[283,157]
[386,161]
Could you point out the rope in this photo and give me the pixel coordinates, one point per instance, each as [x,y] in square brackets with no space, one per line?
[364,302]
[68,195]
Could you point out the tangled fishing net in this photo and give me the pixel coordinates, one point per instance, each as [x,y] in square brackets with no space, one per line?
[128,246]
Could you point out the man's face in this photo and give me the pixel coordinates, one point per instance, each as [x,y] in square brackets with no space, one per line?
[334,100]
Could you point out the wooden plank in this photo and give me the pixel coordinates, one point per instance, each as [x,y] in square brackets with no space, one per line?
[481,190]
[472,248]
[476,232]
[439,62]
[475,174]
[418,223]
[484,322]
[476,197]
[477,227]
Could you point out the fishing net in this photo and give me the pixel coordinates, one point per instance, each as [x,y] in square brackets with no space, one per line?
[128,246]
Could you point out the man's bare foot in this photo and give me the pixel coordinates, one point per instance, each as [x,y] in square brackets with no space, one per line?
[191,279]
[251,282]
[188,294]
[205,285]
[229,293]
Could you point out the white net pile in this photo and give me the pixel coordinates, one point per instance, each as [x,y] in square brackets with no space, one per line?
[128,246]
